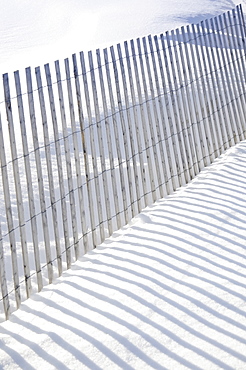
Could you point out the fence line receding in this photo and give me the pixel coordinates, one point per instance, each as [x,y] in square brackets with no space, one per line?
[85,145]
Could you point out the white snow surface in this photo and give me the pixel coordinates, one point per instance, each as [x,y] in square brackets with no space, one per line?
[167,291]
[33,33]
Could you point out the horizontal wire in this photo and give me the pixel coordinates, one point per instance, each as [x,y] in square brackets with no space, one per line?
[113,216]
[119,164]
[91,125]
[135,154]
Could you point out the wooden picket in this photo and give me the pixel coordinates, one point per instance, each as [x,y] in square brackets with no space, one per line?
[129,126]
[17,181]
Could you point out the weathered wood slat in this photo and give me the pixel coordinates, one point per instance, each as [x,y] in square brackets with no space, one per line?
[137,150]
[130,128]
[159,120]
[84,216]
[200,98]
[149,127]
[215,89]
[239,98]
[241,35]
[212,87]
[9,216]
[226,131]
[240,47]
[177,167]
[42,200]
[210,111]
[68,161]
[161,128]
[50,179]
[17,181]
[196,131]
[108,122]
[184,121]
[168,121]
[225,63]
[29,180]
[93,135]
[123,130]
[123,182]
[3,281]
[101,142]
[59,167]
[86,163]
[147,147]
[240,55]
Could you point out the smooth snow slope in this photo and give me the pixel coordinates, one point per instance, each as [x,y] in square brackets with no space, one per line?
[33,33]
[167,291]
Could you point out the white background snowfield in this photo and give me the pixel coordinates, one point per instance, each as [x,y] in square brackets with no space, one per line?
[168,290]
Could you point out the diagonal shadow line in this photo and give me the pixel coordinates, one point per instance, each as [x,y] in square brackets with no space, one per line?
[196,255]
[237,168]
[166,287]
[234,189]
[202,198]
[35,347]
[174,256]
[143,318]
[16,356]
[208,202]
[101,347]
[217,218]
[214,234]
[222,220]
[171,334]
[199,237]
[227,185]
[200,247]
[230,175]
[78,354]
[214,190]
[232,172]
[167,315]
[208,213]
[121,321]
[232,165]
[210,206]
[127,324]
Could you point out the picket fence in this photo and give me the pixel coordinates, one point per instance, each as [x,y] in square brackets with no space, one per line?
[106,135]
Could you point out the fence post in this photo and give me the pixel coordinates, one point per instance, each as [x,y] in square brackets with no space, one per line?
[3,281]
[75,132]
[85,149]
[18,189]
[123,181]
[51,181]
[101,145]
[68,161]
[108,122]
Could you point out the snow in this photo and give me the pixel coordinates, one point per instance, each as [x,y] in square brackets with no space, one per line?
[166,291]
[34,33]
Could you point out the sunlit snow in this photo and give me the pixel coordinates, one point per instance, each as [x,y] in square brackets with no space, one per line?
[168,290]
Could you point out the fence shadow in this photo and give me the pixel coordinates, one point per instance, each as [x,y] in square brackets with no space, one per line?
[166,291]
[103,136]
